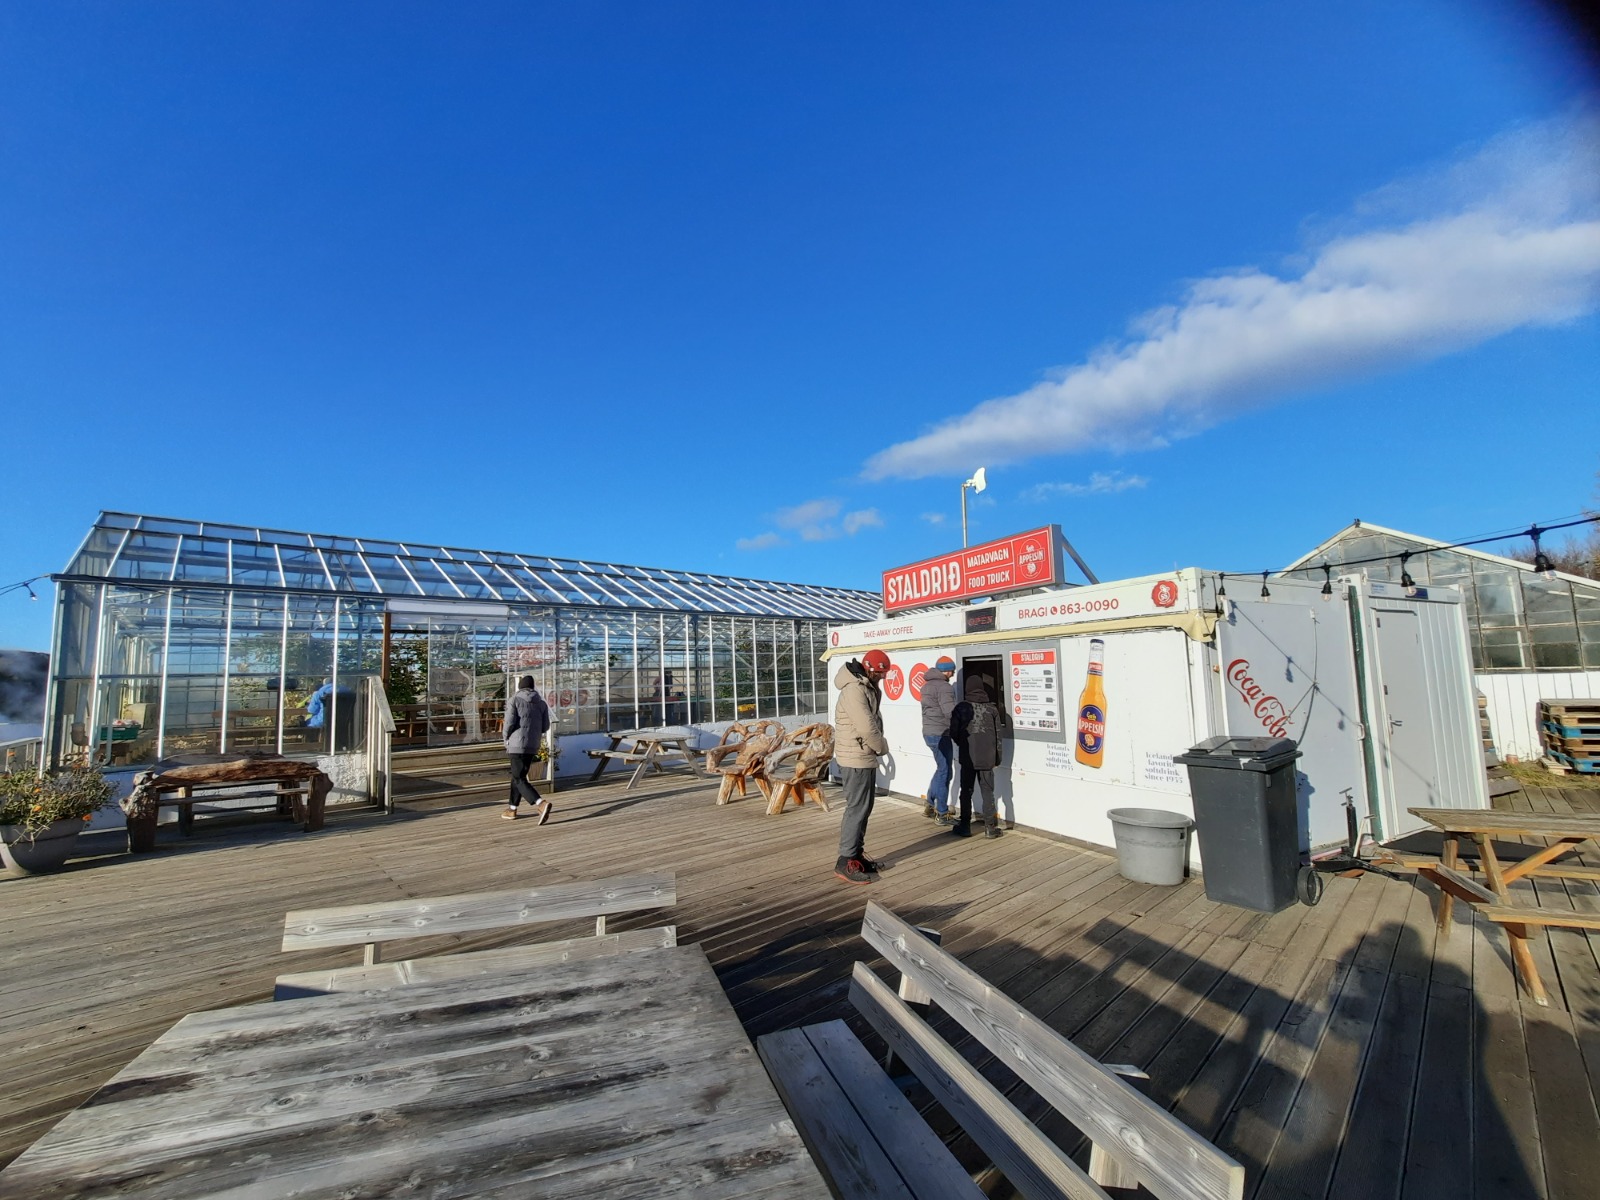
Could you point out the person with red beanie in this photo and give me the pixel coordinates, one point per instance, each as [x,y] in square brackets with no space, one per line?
[858,742]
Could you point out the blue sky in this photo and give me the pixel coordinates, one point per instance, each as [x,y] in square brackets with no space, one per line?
[751,288]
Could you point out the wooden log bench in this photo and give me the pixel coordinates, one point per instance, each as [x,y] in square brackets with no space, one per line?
[870,1142]
[301,791]
[371,925]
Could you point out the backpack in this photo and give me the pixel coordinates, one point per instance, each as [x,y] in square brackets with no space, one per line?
[982,724]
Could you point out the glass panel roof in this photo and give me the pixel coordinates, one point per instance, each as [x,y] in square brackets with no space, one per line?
[131,547]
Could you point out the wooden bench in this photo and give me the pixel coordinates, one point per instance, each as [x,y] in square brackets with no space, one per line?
[371,925]
[738,756]
[301,790]
[870,1141]
[796,770]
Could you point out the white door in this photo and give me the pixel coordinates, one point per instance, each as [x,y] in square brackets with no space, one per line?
[1405,732]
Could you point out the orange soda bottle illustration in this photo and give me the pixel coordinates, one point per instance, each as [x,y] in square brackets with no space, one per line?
[1091,749]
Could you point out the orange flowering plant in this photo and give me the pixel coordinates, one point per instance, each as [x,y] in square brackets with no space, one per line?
[34,801]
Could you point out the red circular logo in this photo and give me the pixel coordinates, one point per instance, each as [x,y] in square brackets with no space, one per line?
[919,674]
[894,683]
[1164,594]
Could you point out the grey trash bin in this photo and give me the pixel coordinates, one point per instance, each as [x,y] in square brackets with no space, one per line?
[1247,819]
[1152,845]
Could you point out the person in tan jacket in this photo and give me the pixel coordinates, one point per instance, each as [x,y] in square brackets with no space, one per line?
[858,742]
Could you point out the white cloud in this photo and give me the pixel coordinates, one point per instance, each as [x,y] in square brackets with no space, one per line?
[854,522]
[762,541]
[814,521]
[1506,237]
[933,518]
[810,520]
[1100,483]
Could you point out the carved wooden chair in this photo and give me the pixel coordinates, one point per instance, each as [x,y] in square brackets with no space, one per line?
[797,769]
[737,757]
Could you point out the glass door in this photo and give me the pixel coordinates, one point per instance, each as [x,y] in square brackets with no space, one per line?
[466,681]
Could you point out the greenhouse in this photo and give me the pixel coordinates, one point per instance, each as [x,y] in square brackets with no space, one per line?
[191,637]
[1517,619]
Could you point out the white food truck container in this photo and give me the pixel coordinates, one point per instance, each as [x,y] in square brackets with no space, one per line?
[1373,681]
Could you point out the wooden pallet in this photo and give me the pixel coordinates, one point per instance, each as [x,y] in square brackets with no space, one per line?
[1567,763]
[1556,727]
[1571,712]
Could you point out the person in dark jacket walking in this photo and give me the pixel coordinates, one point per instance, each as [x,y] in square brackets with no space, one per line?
[527,719]
[976,727]
[938,704]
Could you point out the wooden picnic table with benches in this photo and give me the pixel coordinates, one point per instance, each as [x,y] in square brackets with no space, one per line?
[1566,833]
[301,790]
[649,750]
[626,1075]
[871,1142]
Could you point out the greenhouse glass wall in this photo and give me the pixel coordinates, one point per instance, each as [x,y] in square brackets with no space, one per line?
[189,637]
[1517,619]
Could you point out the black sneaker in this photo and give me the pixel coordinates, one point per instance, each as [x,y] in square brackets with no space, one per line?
[872,865]
[961,829]
[852,870]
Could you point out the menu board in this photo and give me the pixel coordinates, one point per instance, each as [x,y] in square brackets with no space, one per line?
[1036,690]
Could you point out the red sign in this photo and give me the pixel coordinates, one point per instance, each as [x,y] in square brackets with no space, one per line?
[1164,594]
[918,675]
[894,683]
[1024,560]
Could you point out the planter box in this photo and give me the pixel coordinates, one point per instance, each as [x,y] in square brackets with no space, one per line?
[48,851]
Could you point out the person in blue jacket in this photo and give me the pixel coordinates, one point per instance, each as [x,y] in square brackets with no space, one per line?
[332,709]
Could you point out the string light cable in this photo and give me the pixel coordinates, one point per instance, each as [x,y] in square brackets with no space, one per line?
[1541,561]
[24,585]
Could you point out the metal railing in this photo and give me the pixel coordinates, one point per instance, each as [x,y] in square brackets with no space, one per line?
[380,743]
[21,754]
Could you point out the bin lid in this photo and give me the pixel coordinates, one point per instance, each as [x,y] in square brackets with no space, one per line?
[1241,753]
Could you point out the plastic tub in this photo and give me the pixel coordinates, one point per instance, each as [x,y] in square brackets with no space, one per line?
[1152,844]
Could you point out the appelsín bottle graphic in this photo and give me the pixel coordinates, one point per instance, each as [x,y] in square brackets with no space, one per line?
[1091,749]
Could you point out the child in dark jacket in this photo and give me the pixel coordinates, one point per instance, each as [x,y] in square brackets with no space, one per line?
[975,725]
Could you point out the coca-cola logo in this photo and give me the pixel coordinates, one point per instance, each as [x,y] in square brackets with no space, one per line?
[1164,594]
[1267,708]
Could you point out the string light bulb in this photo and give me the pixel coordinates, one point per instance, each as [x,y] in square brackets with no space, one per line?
[1327,581]
[1264,592]
[1542,566]
[31,594]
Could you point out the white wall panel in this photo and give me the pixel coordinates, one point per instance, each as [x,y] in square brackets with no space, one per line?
[1514,702]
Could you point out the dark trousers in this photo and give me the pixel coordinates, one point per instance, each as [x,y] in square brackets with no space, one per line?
[860,792]
[984,777]
[521,788]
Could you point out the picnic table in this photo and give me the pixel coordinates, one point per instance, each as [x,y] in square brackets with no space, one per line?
[649,750]
[1566,833]
[622,1076]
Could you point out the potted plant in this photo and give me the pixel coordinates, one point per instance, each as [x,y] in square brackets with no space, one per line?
[541,762]
[42,815]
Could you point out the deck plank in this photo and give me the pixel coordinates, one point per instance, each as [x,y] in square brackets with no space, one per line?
[1277,1036]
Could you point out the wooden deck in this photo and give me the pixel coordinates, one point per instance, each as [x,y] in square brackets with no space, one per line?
[1335,1051]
